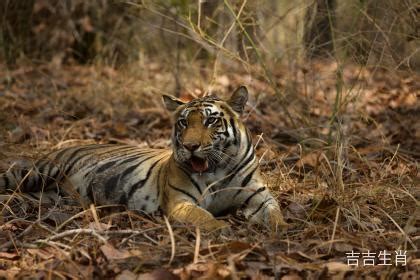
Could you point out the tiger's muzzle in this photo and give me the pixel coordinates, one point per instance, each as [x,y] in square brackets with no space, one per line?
[197,159]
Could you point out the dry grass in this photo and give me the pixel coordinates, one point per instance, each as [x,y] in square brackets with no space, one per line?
[348,182]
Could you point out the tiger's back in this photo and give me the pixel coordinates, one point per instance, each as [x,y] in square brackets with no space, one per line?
[99,173]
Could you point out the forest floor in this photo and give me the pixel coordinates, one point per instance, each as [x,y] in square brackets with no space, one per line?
[345,171]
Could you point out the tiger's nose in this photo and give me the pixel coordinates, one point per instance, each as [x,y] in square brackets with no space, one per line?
[191,146]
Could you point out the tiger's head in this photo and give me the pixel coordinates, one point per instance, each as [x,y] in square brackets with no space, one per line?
[207,131]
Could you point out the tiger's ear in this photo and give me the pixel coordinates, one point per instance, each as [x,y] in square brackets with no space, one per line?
[238,99]
[171,102]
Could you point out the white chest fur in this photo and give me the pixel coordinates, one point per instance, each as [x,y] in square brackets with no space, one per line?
[215,197]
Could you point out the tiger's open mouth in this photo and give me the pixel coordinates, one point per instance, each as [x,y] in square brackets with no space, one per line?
[199,165]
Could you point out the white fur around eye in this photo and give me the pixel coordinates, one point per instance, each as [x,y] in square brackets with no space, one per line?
[210,121]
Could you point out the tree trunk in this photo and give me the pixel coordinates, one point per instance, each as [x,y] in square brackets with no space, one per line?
[15,28]
[319,23]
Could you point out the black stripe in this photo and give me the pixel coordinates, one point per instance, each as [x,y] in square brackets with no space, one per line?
[131,169]
[208,102]
[80,149]
[184,192]
[123,200]
[248,135]
[158,181]
[53,176]
[89,192]
[70,166]
[117,151]
[119,157]
[229,158]
[22,173]
[73,159]
[141,183]
[228,111]
[226,145]
[246,180]
[226,132]
[196,185]
[131,158]
[40,181]
[244,161]
[40,166]
[248,149]
[252,195]
[27,184]
[121,151]
[33,195]
[61,153]
[260,207]
[111,183]
[250,158]
[6,180]
[128,171]
[107,165]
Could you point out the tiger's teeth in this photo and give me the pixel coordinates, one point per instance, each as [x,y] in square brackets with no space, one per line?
[199,165]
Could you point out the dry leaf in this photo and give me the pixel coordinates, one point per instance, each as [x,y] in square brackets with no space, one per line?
[343,247]
[99,226]
[291,276]
[337,267]
[310,159]
[127,275]
[42,253]
[8,256]
[111,253]
[159,274]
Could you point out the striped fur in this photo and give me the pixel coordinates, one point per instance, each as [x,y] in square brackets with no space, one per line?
[210,170]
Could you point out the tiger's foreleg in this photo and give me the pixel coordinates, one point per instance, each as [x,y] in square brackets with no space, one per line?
[262,208]
[188,212]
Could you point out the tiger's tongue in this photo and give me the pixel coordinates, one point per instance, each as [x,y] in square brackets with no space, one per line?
[199,165]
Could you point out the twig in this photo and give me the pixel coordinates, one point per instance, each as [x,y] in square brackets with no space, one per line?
[197,244]
[337,214]
[172,237]
[136,233]
[93,232]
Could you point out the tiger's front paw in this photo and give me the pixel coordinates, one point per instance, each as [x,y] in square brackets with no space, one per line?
[215,225]
[276,221]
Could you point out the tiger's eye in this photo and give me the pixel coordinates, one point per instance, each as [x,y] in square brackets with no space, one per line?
[182,122]
[211,120]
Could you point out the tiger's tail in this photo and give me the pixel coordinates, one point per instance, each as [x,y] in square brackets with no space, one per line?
[27,176]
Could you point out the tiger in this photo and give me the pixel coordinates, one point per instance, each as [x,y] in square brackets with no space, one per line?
[210,169]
